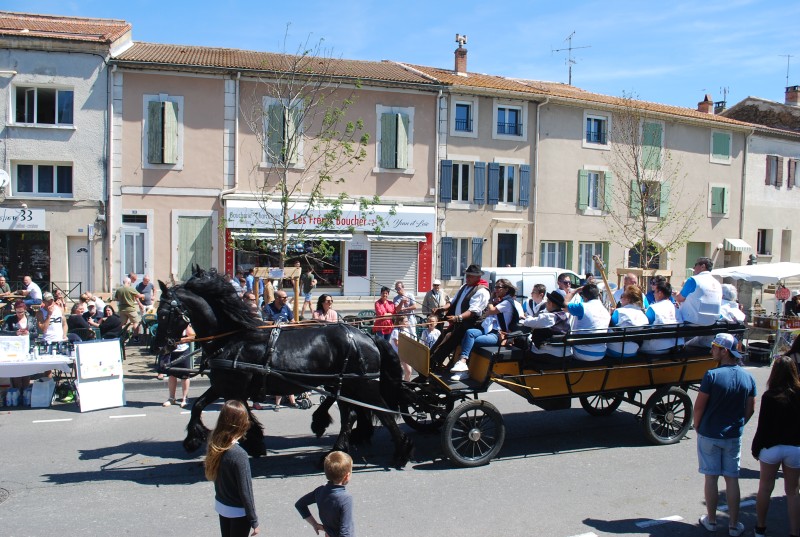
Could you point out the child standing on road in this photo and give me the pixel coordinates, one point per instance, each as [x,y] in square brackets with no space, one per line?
[334,503]
[227,465]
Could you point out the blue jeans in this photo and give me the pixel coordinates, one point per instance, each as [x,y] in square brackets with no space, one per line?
[32,301]
[475,336]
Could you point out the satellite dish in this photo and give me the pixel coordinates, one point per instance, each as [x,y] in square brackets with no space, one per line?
[5,179]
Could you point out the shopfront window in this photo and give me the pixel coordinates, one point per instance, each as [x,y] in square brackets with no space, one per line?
[25,253]
[258,253]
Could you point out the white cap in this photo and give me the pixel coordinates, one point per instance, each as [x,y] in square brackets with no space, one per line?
[727,341]
[437,282]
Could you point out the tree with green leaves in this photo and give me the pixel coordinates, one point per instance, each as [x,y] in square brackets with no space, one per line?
[299,113]
[646,211]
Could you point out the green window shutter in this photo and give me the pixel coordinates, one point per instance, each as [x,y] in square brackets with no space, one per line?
[663,202]
[725,199]
[583,189]
[170,121]
[275,130]
[636,199]
[292,132]
[569,255]
[651,146]
[403,124]
[608,181]
[388,141]
[155,133]
[716,200]
[720,145]
[605,255]
[194,243]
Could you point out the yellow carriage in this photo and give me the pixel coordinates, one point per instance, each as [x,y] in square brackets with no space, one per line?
[472,433]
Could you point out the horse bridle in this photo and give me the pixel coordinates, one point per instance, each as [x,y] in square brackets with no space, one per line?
[175,310]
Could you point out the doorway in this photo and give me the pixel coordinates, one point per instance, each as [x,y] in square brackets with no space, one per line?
[78,262]
[506,249]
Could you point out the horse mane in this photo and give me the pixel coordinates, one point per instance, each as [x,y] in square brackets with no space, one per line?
[221,295]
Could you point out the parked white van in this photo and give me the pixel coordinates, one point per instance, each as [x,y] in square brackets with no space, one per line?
[524,278]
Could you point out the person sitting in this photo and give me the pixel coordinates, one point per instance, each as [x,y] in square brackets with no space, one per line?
[250,300]
[629,314]
[588,315]
[92,315]
[32,292]
[78,328]
[61,300]
[463,312]
[551,322]
[700,298]
[661,312]
[325,311]
[537,302]
[431,332]
[502,316]
[5,290]
[730,311]
[628,280]
[278,311]
[110,324]
[792,306]
[21,323]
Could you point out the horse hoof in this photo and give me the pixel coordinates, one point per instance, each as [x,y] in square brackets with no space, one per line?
[404,454]
[190,445]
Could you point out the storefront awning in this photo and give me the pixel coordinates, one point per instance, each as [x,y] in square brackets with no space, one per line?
[736,245]
[292,237]
[396,237]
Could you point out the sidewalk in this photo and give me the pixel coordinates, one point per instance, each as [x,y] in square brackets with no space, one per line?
[139,365]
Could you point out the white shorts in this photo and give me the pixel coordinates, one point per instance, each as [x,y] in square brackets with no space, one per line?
[788,455]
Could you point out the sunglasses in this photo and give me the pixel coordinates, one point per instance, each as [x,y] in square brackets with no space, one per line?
[329,300]
[500,287]
[566,282]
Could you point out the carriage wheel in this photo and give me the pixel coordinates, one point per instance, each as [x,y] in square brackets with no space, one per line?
[600,404]
[473,434]
[423,410]
[667,416]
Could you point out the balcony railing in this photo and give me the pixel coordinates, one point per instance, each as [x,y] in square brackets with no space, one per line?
[515,129]
[596,137]
[464,125]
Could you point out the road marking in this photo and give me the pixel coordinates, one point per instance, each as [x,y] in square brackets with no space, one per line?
[186,411]
[128,416]
[656,522]
[746,503]
[52,421]
[590,534]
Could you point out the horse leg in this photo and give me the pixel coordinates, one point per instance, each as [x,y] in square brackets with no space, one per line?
[343,440]
[365,427]
[403,446]
[253,441]
[321,419]
[196,432]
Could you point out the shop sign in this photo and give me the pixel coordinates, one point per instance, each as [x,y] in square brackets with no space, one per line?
[22,219]
[401,219]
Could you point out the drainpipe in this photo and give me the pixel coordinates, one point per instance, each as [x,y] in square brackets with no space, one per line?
[536,182]
[436,185]
[744,183]
[109,238]
[235,186]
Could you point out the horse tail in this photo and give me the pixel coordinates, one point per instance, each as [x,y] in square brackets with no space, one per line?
[391,373]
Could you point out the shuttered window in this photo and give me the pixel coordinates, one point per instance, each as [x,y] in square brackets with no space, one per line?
[719,200]
[652,143]
[774,176]
[654,195]
[194,244]
[594,190]
[479,170]
[394,141]
[524,185]
[494,183]
[721,147]
[791,178]
[162,132]
[283,126]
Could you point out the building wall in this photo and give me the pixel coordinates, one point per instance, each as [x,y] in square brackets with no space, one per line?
[83,145]
[769,207]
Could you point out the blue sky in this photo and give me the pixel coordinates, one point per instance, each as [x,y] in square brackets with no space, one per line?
[671,55]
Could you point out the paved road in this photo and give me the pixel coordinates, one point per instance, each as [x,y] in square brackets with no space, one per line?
[560,474]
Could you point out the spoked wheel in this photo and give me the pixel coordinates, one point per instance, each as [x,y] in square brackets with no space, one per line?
[473,434]
[667,416]
[600,404]
[424,410]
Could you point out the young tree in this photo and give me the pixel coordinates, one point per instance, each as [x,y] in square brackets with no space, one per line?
[646,210]
[298,113]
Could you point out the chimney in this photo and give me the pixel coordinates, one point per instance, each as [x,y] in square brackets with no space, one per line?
[706,106]
[461,54]
[793,96]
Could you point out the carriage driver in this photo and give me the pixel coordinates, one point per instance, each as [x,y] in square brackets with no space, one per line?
[463,312]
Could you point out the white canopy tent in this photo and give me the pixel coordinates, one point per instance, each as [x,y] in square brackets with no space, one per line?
[763,274]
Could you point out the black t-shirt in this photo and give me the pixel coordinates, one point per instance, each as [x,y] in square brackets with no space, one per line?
[111,327]
[75,322]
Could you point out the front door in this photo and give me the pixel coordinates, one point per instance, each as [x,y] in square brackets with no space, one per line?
[506,249]
[78,262]
[134,244]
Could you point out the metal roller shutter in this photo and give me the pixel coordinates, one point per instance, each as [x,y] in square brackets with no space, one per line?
[393,261]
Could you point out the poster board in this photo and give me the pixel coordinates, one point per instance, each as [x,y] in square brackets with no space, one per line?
[14,348]
[261,272]
[292,272]
[99,371]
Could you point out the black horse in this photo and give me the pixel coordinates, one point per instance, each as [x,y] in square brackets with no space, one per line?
[246,361]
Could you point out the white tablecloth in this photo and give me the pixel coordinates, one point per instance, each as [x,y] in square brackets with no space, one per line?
[32,367]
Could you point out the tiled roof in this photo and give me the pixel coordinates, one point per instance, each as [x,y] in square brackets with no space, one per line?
[63,28]
[476,81]
[225,58]
[771,114]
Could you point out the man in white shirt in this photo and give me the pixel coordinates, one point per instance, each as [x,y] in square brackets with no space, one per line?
[700,298]
[32,292]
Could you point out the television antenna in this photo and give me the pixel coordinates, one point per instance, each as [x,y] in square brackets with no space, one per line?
[569,49]
[788,59]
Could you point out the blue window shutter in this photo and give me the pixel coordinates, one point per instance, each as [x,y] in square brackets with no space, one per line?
[477,250]
[480,182]
[663,205]
[446,257]
[446,182]
[583,190]
[524,184]
[494,183]
[608,180]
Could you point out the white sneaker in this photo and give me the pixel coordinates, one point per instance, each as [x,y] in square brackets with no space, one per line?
[459,376]
[707,524]
[461,365]
[736,530]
